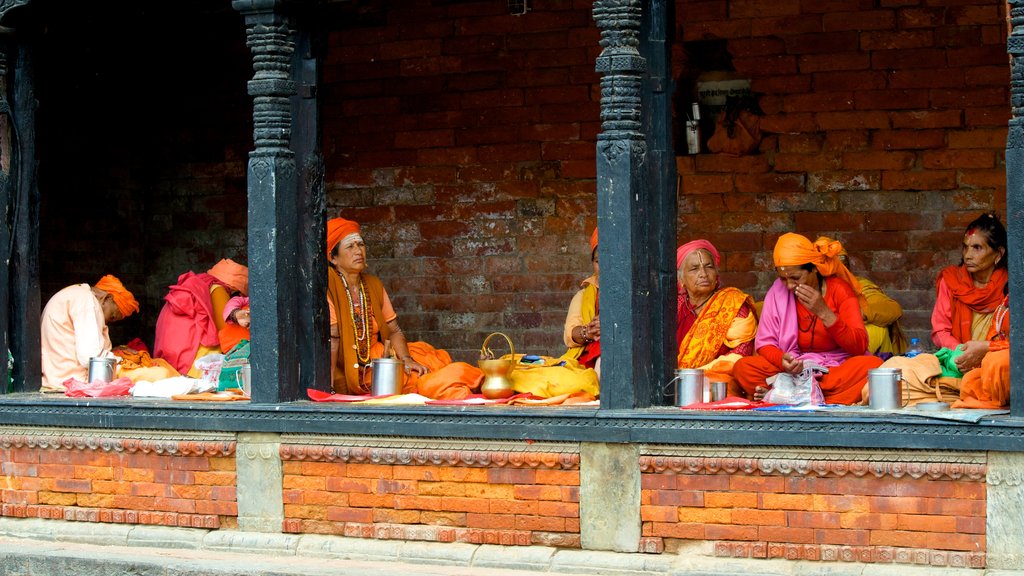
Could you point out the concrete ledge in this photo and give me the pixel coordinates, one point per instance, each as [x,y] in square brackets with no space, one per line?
[59,548]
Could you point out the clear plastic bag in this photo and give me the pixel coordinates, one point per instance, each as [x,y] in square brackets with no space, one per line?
[210,366]
[800,390]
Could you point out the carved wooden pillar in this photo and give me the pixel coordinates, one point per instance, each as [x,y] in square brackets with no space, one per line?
[1015,203]
[627,357]
[274,206]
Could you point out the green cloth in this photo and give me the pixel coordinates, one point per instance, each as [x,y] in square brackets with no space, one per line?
[947,361]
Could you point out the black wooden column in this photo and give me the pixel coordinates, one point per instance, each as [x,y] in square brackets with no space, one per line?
[274,207]
[314,356]
[1015,205]
[23,212]
[656,47]
[627,356]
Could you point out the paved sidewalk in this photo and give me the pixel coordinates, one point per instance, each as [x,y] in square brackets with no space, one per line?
[57,548]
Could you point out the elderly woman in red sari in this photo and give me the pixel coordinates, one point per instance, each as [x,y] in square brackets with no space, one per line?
[968,295]
[715,326]
[811,313]
[363,319]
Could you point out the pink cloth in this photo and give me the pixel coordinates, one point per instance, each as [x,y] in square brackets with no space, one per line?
[75,388]
[186,321]
[685,249]
[942,318]
[234,304]
[778,327]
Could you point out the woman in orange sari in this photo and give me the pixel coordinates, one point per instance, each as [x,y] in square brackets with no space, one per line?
[362,320]
[968,295]
[988,385]
[715,326]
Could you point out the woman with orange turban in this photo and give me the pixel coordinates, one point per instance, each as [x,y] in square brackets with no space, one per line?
[811,313]
[188,325]
[73,328]
[363,319]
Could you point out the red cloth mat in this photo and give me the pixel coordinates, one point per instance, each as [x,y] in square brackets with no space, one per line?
[727,403]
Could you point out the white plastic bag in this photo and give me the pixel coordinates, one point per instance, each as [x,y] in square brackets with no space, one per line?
[210,366]
[800,390]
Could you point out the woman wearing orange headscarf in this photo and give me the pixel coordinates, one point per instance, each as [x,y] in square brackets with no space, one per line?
[362,320]
[582,331]
[715,326]
[968,295]
[188,325]
[811,313]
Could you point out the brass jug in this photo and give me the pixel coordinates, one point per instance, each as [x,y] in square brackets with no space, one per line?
[497,371]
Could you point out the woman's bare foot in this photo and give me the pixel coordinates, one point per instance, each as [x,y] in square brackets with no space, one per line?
[759,393]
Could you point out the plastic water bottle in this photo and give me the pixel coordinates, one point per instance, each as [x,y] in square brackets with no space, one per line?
[915,348]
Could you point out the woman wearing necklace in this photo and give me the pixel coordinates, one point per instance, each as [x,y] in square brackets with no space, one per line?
[715,326]
[967,295]
[811,313]
[362,319]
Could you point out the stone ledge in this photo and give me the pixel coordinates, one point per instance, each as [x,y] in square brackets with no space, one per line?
[50,547]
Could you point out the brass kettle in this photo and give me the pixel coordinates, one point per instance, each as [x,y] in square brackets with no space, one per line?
[497,371]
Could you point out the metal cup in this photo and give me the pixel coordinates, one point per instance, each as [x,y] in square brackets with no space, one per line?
[689,386]
[386,376]
[885,389]
[101,369]
[718,391]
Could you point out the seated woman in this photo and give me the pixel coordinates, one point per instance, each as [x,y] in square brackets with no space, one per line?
[715,326]
[362,319]
[968,295]
[811,313]
[988,385]
[582,332]
[193,314]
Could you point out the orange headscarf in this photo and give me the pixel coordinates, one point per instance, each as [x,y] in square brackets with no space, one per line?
[235,275]
[126,303]
[337,229]
[796,250]
[593,240]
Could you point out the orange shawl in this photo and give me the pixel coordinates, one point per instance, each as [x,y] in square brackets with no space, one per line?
[704,339]
[349,382]
[968,298]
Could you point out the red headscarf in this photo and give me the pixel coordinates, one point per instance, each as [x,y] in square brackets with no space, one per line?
[337,230]
[235,275]
[126,303]
[683,251]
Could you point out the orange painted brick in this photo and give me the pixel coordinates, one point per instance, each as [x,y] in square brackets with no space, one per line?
[544,523]
[970,490]
[870,486]
[141,460]
[71,485]
[537,493]
[657,481]
[217,508]
[720,482]
[192,492]
[704,515]
[455,504]
[677,498]
[429,473]
[899,538]
[94,473]
[484,490]
[787,501]
[223,493]
[295,496]
[572,525]
[514,506]
[371,500]
[511,476]
[492,521]
[678,530]
[659,513]
[811,485]
[215,478]
[96,500]
[868,521]
[135,474]
[336,484]
[561,509]
[303,511]
[926,489]
[739,483]
[133,502]
[321,469]
[459,474]
[189,463]
[925,523]
[55,470]
[111,487]
[842,537]
[370,471]
[730,532]
[570,493]
[784,534]
[174,505]
[802,519]
[970,525]
[559,477]
[443,518]
[343,514]
[291,467]
[385,486]
[19,497]
[178,476]
[323,498]
[901,505]
[730,499]
[222,464]
[755,517]
[442,488]
[397,516]
[418,503]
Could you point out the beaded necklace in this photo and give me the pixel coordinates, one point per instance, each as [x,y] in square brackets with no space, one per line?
[360,321]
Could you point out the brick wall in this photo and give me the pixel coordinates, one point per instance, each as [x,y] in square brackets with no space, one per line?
[803,509]
[480,497]
[119,480]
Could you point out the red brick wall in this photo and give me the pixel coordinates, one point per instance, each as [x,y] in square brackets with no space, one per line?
[120,480]
[864,511]
[513,499]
